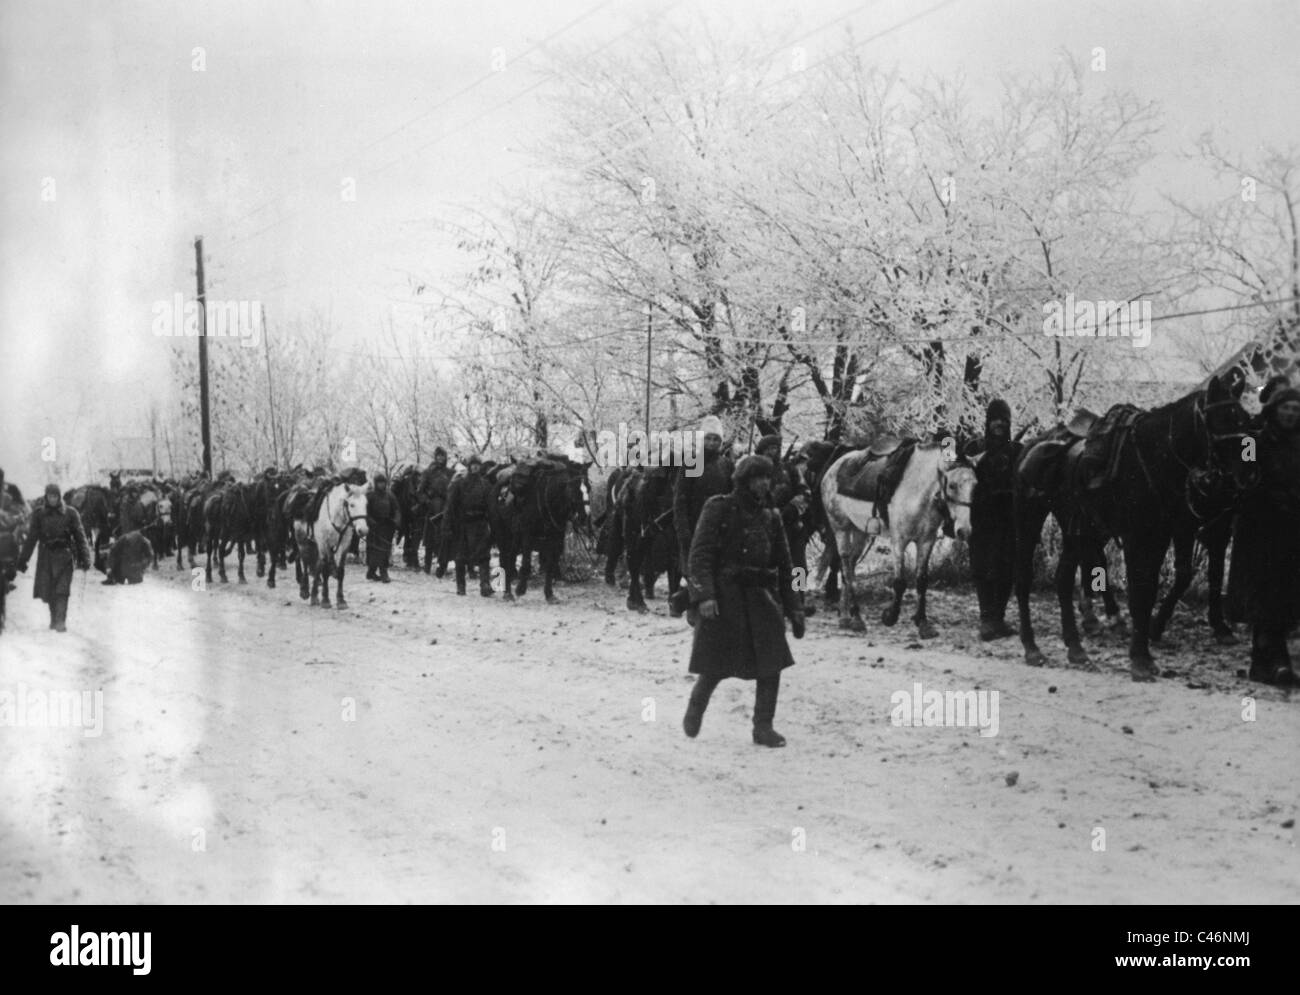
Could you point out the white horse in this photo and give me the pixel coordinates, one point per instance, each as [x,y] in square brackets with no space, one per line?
[323,543]
[934,485]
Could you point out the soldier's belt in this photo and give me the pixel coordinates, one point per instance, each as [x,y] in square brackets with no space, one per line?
[751,576]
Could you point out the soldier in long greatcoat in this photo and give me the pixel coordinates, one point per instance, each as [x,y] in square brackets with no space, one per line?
[1266,541]
[993,525]
[741,591]
[384,518]
[468,501]
[434,483]
[56,527]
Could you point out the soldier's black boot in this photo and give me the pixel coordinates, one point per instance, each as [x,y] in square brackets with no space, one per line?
[485,581]
[383,575]
[59,614]
[460,579]
[700,695]
[765,712]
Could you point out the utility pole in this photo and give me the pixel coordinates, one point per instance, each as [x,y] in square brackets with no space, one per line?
[270,391]
[203,359]
[649,336]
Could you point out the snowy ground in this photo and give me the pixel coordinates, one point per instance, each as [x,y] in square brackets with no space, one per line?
[419,747]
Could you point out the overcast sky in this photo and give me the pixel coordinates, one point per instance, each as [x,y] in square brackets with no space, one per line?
[145,152]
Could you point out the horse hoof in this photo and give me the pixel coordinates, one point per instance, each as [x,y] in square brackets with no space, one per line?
[1077,655]
[340,604]
[1034,657]
[926,630]
[315,602]
[270,582]
[507,596]
[889,618]
[1091,627]
[551,599]
[636,606]
[243,580]
[1143,671]
[1225,638]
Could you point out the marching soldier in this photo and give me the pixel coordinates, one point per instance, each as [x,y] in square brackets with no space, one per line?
[993,527]
[741,591]
[384,518]
[468,500]
[691,492]
[56,527]
[434,483]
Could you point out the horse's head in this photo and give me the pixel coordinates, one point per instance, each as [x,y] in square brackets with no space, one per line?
[165,510]
[354,504]
[956,487]
[1227,426]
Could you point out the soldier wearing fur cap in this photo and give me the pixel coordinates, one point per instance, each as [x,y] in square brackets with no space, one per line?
[741,591]
[993,534]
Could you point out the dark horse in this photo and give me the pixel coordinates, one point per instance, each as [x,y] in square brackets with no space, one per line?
[273,538]
[646,516]
[554,493]
[231,522]
[1145,505]
[405,488]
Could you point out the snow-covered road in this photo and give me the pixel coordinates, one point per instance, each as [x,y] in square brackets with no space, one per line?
[419,747]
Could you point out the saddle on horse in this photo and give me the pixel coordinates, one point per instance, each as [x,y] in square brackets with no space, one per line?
[1093,443]
[521,474]
[874,474]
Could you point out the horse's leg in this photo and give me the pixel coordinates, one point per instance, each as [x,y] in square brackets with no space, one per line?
[1143,556]
[339,601]
[550,557]
[1184,542]
[306,576]
[634,546]
[1215,540]
[1091,625]
[899,547]
[923,625]
[1073,549]
[325,572]
[525,564]
[1029,527]
[850,545]
[835,566]
[208,562]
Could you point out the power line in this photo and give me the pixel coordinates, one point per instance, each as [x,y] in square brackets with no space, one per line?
[466,124]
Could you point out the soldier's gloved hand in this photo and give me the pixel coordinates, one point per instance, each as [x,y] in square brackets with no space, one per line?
[797,625]
[708,609]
